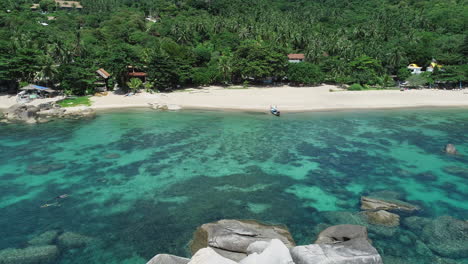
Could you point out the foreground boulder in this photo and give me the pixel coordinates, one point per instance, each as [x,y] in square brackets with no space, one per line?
[30,255]
[168,259]
[231,238]
[450,149]
[371,203]
[447,237]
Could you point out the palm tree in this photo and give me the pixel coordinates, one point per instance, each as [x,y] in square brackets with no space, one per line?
[134,84]
[225,66]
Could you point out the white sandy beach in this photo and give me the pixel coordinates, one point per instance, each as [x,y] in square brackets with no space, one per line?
[285,97]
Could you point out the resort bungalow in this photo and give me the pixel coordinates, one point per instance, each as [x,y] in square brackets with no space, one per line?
[296,58]
[133,72]
[433,65]
[414,68]
[103,79]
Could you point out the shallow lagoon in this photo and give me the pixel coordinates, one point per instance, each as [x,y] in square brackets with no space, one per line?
[141,181]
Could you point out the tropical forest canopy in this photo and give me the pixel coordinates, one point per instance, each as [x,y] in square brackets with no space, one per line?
[201,42]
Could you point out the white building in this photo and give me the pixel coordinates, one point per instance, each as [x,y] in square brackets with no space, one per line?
[414,68]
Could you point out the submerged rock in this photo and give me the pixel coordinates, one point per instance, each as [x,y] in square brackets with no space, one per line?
[458,171]
[382,217]
[209,256]
[450,149]
[112,156]
[447,237]
[45,168]
[168,259]
[46,238]
[73,240]
[30,255]
[416,223]
[371,203]
[231,238]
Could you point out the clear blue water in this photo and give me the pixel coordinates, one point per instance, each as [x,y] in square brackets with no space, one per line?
[141,181]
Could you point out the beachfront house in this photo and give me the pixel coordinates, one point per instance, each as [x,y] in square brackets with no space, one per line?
[433,65]
[414,68]
[102,84]
[32,91]
[134,72]
[294,58]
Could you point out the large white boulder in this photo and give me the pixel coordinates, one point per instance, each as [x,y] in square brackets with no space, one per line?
[209,256]
[168,259]
[275,253]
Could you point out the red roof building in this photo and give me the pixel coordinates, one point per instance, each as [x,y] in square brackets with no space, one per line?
[296,57]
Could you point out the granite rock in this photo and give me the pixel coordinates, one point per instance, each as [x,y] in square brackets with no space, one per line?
[168,259]
[231,238]
[209,256]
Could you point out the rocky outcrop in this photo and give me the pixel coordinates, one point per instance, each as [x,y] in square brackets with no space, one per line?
[46,238]
[22,113]
[382,217]
[72,240]
[231,238]
[215,242]
[447,237]
[168,259]
[30,255]
[371,203]
[43,113]
[164,107]
[450,149]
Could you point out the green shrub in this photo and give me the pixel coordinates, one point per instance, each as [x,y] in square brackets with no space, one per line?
[75,101]
[356,87]
[305,73]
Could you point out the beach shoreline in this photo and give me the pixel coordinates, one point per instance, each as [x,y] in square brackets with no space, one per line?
[286,98]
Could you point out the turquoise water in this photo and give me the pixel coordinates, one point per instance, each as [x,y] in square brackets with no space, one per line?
[140,182]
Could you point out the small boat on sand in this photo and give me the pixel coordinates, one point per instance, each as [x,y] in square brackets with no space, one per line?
[274,111]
